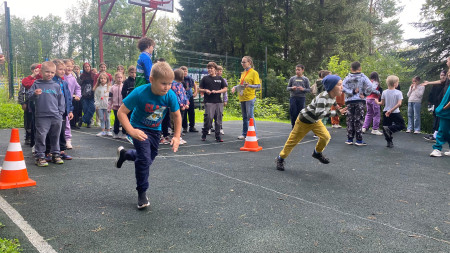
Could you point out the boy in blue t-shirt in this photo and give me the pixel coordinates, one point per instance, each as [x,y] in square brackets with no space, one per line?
[144,63]
[149,103]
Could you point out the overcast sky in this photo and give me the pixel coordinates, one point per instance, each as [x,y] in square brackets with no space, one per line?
[28,8]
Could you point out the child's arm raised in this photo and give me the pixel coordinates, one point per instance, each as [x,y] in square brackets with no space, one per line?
[175,142]
[123,118]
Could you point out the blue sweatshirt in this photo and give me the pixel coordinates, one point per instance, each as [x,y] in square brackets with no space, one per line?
[51,102]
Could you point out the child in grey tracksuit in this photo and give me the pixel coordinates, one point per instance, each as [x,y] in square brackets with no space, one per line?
[49,108]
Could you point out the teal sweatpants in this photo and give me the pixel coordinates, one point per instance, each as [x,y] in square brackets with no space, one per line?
[443,134]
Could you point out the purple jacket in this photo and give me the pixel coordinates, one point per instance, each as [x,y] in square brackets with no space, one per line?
[74,87]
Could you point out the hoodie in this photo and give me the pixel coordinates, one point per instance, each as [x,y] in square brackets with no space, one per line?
[358,81]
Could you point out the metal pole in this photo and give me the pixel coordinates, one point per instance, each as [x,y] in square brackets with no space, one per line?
[100,32]
[10,55]
[265,76]
[93,52]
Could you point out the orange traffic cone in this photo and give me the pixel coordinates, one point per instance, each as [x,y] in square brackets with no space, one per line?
[251,142]
[14,173]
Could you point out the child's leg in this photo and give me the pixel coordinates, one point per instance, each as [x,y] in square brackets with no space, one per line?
[417,107]
[410,116]
[297,134]
[146,151]
[68,130]
[62,135]
[107,120]
[369,114]
[399,122]
[324,136]
[376,116]
[443,134]
[116,122]
[55,133]
[165,125]
[351,121]
[359,120]
[218,116]
[208,117]
[101,117]
[42,126]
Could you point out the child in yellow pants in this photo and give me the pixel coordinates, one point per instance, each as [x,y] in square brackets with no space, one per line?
[310,117]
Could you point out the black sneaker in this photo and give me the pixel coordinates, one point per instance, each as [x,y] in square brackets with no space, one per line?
[120,156]
[142,200]
[193,130]
[320,157]
[430,138]
[203,137]
[218,139]
[280,164]
[387,133]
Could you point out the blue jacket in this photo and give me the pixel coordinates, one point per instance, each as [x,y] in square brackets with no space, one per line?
[66,92]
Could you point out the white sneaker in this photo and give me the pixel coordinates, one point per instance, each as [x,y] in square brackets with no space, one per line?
[69,144]
[209,132]
[336,126]
[241,137]
[121,135]
[182,141]
[363,130]
[33,150]
[109,133]
[222,132]
[416,132]
[116,136]
[408,131]
[101,134]
[447,153]
[376,132]
[436,153]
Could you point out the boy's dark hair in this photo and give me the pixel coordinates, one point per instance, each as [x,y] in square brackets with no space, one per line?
[355,65]
[161,60]
[374,76]
[179,75]
[131,68]
[33,66]
[324,73]
[184,68]
[417,78]
[211,64]
[300,66]
[145,43]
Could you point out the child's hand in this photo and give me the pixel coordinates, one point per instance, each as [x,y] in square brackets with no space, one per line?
[77,98]
[175,142]
[208,92]
[343,110]
[70,115]
[38,92]
[109,111]
[24,107]
[225,103]
[182,108]
[387,113]
[232,90]
[186,107]
[138,134]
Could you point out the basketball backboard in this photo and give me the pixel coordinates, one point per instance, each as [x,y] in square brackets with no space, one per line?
[163,5]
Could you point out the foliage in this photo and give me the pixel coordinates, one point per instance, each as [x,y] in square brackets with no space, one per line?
[428,53]
[293,31]
[10,246]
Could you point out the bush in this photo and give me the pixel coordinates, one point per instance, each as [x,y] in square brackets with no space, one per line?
[10,246]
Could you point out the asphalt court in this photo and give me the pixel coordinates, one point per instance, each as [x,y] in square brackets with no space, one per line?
[211,197]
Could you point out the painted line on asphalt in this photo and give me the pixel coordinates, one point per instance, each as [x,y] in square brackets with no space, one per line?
[33,236]
[407,232]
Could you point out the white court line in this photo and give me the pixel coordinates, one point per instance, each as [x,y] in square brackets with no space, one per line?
[407,232]
[33,236]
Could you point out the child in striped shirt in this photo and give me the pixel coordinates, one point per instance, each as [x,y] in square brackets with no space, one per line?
[309,120]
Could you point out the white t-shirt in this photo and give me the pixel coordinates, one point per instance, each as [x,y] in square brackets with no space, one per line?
[391,98]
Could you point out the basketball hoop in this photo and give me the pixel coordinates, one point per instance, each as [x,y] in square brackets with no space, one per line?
[154,3]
